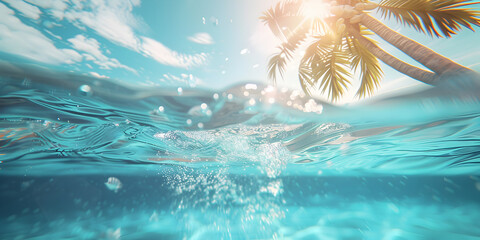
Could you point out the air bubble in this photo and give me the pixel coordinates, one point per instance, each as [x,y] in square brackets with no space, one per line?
[214,21]
[251,86]
[161,109]
[200,111]
[189,122]
[312,106]
[294,95]
[230,96]
[192,81]
[200,125]
[208,113]
[215,96]
[269,88]
[180,91]
[85,90]
[244,51]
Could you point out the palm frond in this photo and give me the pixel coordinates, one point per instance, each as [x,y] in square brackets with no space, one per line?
[370,70]
[278,61]
[305,76]
[283,18]
[325,64]
[321,26]
[427,15]
[335,76]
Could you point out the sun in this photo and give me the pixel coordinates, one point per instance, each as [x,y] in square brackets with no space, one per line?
[316,9]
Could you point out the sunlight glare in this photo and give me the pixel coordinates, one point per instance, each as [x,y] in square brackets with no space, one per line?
[315,9]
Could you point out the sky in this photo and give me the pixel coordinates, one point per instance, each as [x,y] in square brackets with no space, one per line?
[190,43]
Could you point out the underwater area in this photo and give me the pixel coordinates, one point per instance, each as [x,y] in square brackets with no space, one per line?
[89,158]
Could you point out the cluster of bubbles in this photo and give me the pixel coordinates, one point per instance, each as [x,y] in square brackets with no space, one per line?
[255,205]
[200,112]
[251,97]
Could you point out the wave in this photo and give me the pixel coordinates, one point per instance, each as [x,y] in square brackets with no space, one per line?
[55,122]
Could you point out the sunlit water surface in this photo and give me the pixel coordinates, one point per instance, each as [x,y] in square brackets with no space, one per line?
[86,158]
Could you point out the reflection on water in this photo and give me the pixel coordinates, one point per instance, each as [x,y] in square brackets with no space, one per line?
[90,158]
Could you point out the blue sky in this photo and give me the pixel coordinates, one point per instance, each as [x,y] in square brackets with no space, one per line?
[210,43]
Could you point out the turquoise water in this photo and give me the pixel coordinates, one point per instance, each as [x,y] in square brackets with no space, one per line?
[88,158]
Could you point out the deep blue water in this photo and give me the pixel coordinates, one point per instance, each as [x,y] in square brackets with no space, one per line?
[248,162]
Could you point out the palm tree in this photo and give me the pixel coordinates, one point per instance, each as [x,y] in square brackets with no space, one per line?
[341,44]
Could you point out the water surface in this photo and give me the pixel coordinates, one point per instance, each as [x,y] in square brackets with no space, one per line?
[247,162]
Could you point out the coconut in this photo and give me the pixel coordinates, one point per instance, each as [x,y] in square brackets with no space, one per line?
[360,6]
[356,19]
[337,10]
[370,6]
[349,11]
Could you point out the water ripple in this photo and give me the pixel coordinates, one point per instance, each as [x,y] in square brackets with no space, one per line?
[48,129]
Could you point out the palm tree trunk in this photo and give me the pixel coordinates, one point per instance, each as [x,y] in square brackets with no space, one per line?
[399,65]
[430,59]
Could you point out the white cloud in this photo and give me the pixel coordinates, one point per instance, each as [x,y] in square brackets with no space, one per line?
[98,75]
[164,55]
[20,39]
[202,38]
[50,24]
[91,47]
[53,35]
[24,8]
[113,20]
[88,57]
[184,79]
[56,8]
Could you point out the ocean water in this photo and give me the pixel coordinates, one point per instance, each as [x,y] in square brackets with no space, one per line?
[88,158]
